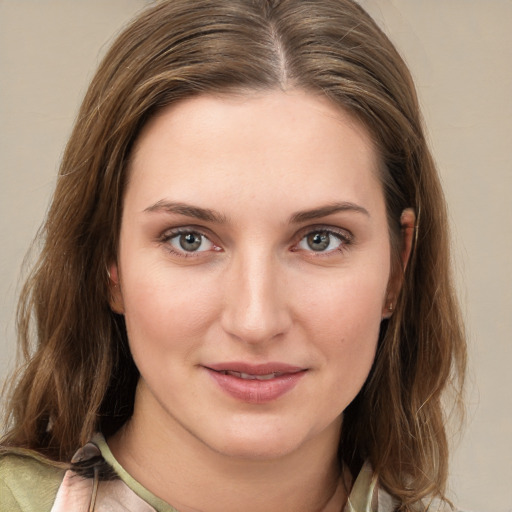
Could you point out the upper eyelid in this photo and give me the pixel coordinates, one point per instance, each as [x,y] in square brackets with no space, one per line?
[169,234]
[341,232]
[172,232]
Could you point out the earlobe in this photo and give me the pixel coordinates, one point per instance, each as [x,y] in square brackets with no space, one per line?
[387,311]
[115,297]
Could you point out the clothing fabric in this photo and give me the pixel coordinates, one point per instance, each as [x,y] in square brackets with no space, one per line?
[30,484]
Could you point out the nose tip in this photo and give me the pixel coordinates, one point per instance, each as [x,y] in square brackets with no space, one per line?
[255,309]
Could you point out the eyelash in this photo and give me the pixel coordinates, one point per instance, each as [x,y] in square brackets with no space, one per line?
[345,238]
[169,235]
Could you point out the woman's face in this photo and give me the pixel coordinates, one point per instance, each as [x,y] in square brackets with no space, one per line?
[253,270]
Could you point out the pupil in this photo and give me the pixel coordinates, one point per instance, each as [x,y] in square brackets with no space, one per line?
[190,242]
[318,241]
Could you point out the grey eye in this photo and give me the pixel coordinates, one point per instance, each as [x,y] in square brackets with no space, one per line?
[321,241]
[318,241]
[190,241]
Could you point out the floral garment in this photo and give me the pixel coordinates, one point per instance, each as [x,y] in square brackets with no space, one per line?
[80,494]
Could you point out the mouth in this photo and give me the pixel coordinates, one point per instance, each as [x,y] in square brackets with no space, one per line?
[255,383]
[248,376]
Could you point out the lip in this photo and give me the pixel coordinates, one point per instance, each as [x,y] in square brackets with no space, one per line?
[253,390]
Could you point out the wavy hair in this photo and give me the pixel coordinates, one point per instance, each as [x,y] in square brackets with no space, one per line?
[79,376]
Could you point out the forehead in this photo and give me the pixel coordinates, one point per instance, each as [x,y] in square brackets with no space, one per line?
[268,145]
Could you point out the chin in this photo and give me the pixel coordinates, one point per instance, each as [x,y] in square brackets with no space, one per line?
[259,441]
[257,448]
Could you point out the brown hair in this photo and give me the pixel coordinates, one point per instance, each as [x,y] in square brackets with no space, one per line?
[79,376]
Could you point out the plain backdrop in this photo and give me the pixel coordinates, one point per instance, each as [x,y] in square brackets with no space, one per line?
[460,53]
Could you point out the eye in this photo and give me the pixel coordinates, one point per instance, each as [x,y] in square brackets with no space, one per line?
[189,241]
[322,241]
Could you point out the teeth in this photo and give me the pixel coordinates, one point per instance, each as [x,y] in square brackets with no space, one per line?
[248,376]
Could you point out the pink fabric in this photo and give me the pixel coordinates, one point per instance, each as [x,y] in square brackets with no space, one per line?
[78,494]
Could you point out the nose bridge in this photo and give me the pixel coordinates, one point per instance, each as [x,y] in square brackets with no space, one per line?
[255,307]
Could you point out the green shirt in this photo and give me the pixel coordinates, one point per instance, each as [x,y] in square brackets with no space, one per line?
[29,483]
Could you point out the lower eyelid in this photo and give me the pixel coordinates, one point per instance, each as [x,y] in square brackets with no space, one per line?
[345,240]
[166,241]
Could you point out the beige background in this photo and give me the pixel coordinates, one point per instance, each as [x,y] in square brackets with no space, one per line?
[460,52]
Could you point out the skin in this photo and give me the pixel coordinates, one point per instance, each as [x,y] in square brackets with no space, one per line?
[255,291]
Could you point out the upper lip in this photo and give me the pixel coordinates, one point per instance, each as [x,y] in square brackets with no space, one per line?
[255,369]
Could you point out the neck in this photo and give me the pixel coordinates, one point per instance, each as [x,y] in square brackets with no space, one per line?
[186,473]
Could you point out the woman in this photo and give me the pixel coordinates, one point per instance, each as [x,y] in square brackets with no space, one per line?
[243,301]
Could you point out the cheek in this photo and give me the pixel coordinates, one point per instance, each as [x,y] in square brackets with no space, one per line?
[343,319]
[346,300]
[166,312]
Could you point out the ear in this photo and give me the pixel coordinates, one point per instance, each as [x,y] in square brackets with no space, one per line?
[116,297]
[407,224]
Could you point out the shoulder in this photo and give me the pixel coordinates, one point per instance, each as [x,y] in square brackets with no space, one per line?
[28,483]
[368,495]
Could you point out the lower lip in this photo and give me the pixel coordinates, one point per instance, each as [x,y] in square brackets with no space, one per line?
[256,391]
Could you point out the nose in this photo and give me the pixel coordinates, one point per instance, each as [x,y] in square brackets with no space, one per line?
[255,307]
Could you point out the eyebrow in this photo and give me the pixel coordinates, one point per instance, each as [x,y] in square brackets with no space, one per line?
[188,210]
[324,211]
[208,215]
